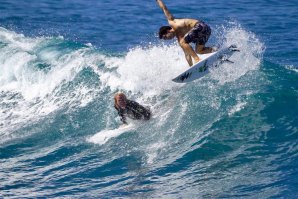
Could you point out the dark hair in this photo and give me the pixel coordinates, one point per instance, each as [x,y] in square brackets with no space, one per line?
[164,30]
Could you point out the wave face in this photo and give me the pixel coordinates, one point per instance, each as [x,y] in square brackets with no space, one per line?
[43,76]
[230,134]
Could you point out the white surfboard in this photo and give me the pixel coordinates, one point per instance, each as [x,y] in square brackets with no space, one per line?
[103,136]
[202,67]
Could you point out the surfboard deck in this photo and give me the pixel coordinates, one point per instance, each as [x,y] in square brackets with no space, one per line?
[103,136]
[201,68]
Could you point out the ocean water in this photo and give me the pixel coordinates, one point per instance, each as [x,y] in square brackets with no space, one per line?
[231,134]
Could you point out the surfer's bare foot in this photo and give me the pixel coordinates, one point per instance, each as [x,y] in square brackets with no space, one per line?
[196,60]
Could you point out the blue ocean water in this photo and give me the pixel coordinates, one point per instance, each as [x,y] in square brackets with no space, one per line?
[231,134]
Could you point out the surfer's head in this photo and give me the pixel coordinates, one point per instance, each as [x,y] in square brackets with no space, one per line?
[120,100]
[166,32]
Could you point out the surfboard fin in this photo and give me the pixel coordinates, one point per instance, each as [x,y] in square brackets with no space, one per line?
[234,48]
[226,60]
[229,61]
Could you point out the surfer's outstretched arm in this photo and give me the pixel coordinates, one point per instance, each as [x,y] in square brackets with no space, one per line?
[169,16]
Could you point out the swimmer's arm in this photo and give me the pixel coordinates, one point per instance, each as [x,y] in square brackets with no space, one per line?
[122,116]
[169,16]
[123,119]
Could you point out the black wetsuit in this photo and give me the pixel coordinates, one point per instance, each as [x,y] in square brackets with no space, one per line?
[134,111]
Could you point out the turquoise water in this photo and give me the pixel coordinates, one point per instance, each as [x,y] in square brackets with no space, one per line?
[231,134]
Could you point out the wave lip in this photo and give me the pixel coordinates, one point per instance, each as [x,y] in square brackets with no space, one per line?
[37,77]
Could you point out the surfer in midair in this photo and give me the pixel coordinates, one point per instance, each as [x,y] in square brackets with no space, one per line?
[129,108]
[186,31]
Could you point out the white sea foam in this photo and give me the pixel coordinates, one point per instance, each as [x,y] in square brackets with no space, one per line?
[105,135]
[249,58]
[28,92]
[238,107]
[146,70]
[292,68]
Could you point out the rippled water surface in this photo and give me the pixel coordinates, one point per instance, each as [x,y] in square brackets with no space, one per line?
[231,134]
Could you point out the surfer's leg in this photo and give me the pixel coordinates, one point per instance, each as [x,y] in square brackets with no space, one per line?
[202,38]
[201,49]
[189,50]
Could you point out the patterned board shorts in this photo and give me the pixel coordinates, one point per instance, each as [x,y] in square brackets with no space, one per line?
[199,34]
